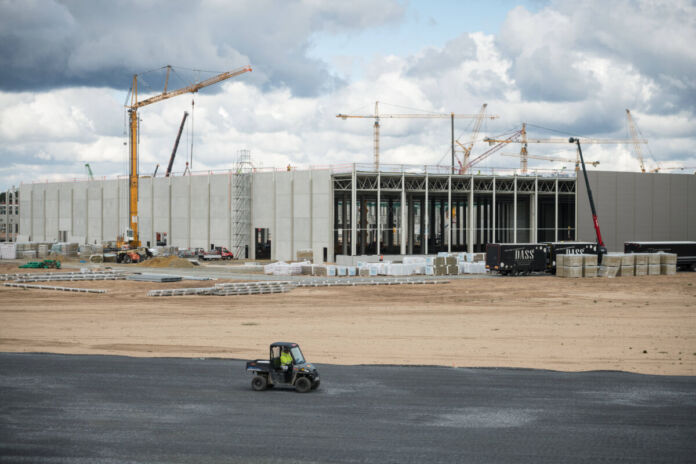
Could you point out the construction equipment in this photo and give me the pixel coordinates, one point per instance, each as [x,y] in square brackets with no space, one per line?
[89,171]
[154,174]
[377,117]
[286,366]
[500,144]
[131,237]
[633,127]
[674,168]
[552,158]
[524,140]
[474,135]
[45,264]
[602,250]
[176,145]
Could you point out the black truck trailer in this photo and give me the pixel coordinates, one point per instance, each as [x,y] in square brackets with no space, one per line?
[685,251]
[516,258]
[569,248]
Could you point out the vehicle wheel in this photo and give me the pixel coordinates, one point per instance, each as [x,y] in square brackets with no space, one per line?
[303,385]
[316,384]
[259,383]
[693,267]
[127,259]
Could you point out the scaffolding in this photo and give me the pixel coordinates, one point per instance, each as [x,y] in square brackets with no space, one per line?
[240,214]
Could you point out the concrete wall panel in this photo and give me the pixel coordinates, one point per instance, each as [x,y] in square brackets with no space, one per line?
[660,207]
[678,192]
[180,211]
[690,206]
[661,216]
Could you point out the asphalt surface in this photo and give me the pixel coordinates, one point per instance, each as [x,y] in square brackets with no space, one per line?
[108,409]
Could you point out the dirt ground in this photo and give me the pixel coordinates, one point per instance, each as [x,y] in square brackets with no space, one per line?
[638,324]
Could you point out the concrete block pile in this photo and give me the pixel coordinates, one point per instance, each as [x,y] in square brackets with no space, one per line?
[576,266]
[441,265]
[616,265]
[637,264]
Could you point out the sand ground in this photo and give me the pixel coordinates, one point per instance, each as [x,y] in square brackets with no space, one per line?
[638,324]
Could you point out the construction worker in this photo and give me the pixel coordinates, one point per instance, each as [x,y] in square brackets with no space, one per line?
[285,357]
[286,362]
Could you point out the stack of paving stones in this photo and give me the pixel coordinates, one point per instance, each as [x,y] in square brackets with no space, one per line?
[641,263]
[451,263]
[668,263]
[589,265]
[439,266]
[628,265]
[653,264]
[637,264]
[570,266]
[611,264]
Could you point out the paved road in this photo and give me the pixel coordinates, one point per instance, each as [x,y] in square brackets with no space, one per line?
[108,409]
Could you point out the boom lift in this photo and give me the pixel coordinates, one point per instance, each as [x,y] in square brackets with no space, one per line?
[132,239]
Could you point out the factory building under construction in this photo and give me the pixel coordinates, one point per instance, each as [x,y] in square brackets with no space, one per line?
[348,211]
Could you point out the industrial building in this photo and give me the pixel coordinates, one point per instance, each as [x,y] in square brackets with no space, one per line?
[9,215]
[333,211]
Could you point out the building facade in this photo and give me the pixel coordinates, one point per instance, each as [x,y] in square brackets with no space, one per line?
[354,210]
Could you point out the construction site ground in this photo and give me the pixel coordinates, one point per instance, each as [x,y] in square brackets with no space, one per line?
[639,324]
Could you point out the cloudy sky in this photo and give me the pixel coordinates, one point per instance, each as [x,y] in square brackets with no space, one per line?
[564,68]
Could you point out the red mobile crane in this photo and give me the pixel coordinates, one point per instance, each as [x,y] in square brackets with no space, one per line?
[601,248]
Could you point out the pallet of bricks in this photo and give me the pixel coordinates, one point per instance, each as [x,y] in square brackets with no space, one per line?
[638,264]
[576,266]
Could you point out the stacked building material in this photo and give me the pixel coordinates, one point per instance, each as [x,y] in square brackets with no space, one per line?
[66,276]
[611,263]
[62,289]
[668,263]
[653,264]
[589,265]
[628,265]
[572,265]
[451,263]
[560,266]
[305,255]
[641,263]
[154,278]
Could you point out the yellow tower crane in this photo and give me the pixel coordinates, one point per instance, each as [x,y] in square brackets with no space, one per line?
[132,236]
[377,117]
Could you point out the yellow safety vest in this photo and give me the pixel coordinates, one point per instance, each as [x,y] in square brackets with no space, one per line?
[285,358]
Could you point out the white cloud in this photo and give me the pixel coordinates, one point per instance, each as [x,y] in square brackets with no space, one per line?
[560,68]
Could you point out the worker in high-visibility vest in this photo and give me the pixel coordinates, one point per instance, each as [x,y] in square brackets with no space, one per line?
[285,357]
[286,362]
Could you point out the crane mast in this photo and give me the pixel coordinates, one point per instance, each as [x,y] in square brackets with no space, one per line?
[132,237]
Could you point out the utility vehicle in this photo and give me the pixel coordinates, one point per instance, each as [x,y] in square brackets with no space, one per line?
[297,373]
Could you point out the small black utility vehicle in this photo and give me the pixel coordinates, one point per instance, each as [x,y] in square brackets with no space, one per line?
[285,367]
